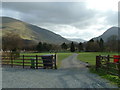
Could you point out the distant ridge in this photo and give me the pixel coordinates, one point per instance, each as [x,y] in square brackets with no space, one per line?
[78,40]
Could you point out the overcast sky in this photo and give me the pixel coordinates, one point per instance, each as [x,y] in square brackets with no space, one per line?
[85,20]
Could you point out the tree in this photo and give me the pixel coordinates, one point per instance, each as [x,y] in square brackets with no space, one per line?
[92,46]
[89,45]
[80,47]
[72,47]
[91,40]
[29,45]
[112,43]
[43,47]
[64,46]
[39,47]
[101,44]
[47,47]
[55,48]
[12,41]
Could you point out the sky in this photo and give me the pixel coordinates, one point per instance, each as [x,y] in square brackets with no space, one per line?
[84,19]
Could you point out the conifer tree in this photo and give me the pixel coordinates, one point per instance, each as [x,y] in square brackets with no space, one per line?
[72,47]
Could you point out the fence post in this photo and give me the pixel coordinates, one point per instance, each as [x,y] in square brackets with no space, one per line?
[119,68]
[36,62]
[97,62]
[11,61]
[108,60]
[55,61]
[23,61]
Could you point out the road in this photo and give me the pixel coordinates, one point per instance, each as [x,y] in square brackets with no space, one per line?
[72,74]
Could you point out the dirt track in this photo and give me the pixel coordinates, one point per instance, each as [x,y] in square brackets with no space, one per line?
[72,74]
[72,62]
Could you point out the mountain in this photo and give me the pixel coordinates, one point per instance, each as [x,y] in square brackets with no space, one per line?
[113,31]
[30,32]
[78,40]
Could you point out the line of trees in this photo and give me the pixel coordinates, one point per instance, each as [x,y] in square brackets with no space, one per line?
[43,47]
[111,45]
[95,46]
[13,42]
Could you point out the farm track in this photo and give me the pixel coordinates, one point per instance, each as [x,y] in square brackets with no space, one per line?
[72,74]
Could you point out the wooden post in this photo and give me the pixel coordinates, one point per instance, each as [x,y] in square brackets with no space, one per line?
[52,62]
[55,61]
[108,60]
[97,62]
[119,68]
[36,62]
[23,61]
[11,61]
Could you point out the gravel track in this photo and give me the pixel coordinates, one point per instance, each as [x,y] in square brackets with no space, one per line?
[76,76]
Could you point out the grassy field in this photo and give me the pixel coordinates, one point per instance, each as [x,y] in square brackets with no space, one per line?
[60,57]
[90,57]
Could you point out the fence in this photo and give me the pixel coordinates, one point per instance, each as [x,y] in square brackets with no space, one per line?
[107,64]
[33,61]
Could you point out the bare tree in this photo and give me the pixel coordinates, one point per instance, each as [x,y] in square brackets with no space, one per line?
[112,43]
[11,41]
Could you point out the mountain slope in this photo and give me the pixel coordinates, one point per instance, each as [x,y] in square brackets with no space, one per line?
[113,31]
[30,32]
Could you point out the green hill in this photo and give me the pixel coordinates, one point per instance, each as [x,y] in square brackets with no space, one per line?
[109,33]
[30,32]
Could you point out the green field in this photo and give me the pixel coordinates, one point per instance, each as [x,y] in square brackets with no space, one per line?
[60,57]
[90,57]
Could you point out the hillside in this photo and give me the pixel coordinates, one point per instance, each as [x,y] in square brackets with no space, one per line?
[30,32]
[113,31]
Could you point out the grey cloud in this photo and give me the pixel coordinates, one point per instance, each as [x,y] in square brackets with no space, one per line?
[112,18]
[51,14]
[60,13]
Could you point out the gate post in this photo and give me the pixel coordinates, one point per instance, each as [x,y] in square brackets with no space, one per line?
[108,60]
[23,61]
[36,62]
[97,62]
[119,68]
[55,61]
[11,61]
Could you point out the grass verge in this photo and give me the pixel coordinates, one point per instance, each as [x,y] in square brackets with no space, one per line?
[112,78]
[90,57]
